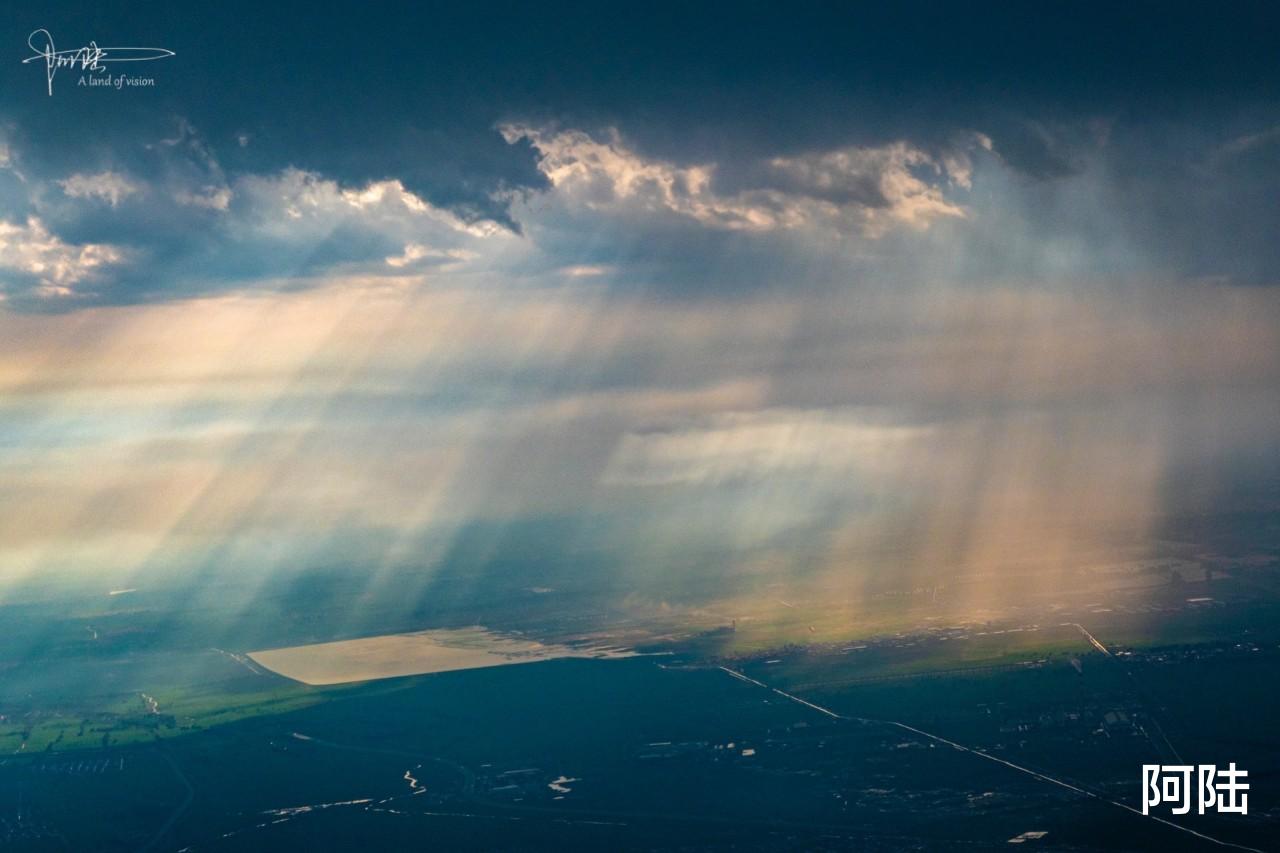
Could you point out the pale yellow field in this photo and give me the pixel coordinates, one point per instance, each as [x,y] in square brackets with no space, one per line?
[419,653]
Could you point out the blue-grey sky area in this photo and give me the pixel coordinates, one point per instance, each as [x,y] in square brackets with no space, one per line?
[660,295]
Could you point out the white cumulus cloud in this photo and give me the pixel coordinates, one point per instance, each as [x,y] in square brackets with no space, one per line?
[30,250]
[867,189]
[108,186]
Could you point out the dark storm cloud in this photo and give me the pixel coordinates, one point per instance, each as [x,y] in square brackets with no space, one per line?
[1122,139]
[411,90]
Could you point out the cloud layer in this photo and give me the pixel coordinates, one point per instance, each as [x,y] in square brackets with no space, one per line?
[871,302]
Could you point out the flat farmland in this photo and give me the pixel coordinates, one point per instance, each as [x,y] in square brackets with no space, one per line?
[416,653]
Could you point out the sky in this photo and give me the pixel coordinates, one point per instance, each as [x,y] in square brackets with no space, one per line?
[652,298]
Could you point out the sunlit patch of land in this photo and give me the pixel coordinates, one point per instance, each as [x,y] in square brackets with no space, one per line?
[107,671]
[417,653]
[1140,594]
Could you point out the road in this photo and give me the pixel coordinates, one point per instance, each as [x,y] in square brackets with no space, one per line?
[1093,641]
[989,757]
[177,812]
